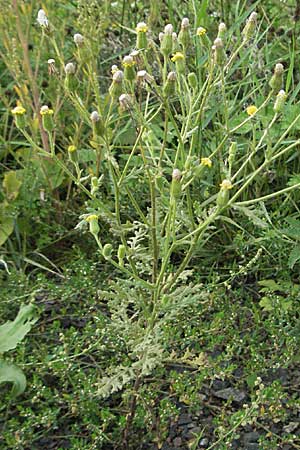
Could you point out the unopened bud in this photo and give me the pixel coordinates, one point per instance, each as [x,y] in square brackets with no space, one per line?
[176,184]
[250,26]
[219,53]
[97,124]
[121,254]
[73,154]
[107,251]
[222,30]
[94,185]
[166,41]
[116,86]
[184,36]
[192,80]
[19,115]
[93,223]
[175,45]
[169,88]
[276,81]
[280,101]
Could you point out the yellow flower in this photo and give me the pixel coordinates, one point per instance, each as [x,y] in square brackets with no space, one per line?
[201,31]
[141,27]
[226,185]
[18,110]
[72,149]
[251,110]
[128,61]
[91,217]
[206,162]
[177,57]
[46,110]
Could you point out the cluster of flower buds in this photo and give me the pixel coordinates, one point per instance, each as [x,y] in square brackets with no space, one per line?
[19,114]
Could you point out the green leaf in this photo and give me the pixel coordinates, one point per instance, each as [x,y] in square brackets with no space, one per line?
[12,374]
[266,304]
[11,185]
[294,256]
[12,332]
[6,223]
[269,285]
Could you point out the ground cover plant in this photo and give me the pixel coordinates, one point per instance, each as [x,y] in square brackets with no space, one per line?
[173,144]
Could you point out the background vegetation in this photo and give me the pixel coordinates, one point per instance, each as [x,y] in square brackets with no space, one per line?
[221,366]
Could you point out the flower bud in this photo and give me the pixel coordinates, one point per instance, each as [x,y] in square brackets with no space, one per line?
[170,86]
[218,52]
[47,118]
[19,115]
[184,36]
[73,154]
[116,87]
[201,31]
[250,26]
[78,39]
[222,31]
[121,254]
[94,185]
[70,80]
[276,81]
[107,251]
[97,124]
[93,223]
[223,195]
[128,64]
[175,43]
[280,101]
[192,80]
[176,183]
[232,153]
[141,39]
[179,61]
[206,162]
[166,41]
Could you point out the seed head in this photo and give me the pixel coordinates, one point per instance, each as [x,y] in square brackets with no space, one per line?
[185,23]
[171,76]
[78,39]
[70,68]
[125,101]
[42,19]
[176,175]
[169,29]
[118,76]
[95,116]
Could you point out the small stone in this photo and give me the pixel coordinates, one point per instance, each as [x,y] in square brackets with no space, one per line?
[191,425]
[177,441]
[292,426]
[184,419]
[252,446]
[251,437]
[203,442]
[231,393]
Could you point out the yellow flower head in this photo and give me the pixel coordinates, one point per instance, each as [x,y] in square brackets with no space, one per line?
[72,149]
[226,185]
[128,61]
[251,110]
[46,110]
[177,57]
[18,110]
[91,217]
[206,162]
[201,31]
[141,27]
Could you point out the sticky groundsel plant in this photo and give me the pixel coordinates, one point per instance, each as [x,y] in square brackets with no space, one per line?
[192,159]
[11,334]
